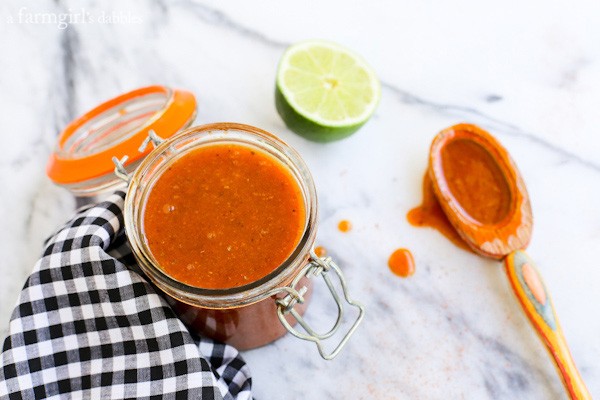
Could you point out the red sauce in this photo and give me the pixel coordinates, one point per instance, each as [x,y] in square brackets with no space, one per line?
[476,181]
[223,216]
[430,214]
[344,225]
[402,263]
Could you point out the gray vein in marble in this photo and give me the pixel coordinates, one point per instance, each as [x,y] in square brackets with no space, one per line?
[498,125]
[497,380]
[162,7]
[23,158]
[570,76]
[69,44]
[493,98]
[331,206]
[216,17]
[64,89]
[515,378]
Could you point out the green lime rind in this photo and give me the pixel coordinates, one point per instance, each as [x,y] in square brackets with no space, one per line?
[325,92]
[308,129]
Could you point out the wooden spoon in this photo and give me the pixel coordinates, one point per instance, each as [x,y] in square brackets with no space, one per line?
[484,197]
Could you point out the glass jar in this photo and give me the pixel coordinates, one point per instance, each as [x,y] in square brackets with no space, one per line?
[255,314]
[122,128]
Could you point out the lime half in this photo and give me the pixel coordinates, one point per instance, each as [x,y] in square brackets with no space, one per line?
[324,91]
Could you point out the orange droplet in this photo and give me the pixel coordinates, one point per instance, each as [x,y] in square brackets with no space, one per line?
[344,225]
[533,282]
[402,263]
[320,251]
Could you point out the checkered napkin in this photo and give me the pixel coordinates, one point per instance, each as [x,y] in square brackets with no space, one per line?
[88,325]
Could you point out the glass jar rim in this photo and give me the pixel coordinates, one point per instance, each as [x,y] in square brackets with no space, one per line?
[224,132]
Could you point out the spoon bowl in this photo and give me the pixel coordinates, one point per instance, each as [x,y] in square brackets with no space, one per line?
[480,190]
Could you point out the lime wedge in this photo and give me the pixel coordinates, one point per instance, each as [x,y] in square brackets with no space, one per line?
[325,92]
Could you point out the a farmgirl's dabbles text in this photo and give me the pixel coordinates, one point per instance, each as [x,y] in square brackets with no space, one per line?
[223,216]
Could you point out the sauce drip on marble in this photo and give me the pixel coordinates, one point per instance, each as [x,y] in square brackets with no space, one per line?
[320,251]
[344,226]
[430,214]
[402,263]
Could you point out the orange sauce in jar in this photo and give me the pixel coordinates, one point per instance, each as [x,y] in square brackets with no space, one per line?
[223,216]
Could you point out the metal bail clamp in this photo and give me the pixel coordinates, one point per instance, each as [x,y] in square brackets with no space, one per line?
[120,170]
[318,266]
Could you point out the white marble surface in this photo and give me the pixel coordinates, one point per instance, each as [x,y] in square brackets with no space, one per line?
[527,71]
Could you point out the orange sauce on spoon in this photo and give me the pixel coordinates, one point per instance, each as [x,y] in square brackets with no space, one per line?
[475,180]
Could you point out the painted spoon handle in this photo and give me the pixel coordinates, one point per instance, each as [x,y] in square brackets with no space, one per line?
[535,300]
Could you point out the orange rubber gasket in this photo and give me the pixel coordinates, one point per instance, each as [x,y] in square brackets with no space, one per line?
[177,113]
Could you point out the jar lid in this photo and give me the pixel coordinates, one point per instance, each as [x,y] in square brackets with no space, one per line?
[82,158]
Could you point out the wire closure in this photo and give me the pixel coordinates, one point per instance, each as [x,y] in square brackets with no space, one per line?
[152,137]
[317,267]
[120,170]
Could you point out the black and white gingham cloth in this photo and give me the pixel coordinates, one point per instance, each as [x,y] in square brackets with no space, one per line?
[88,325]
